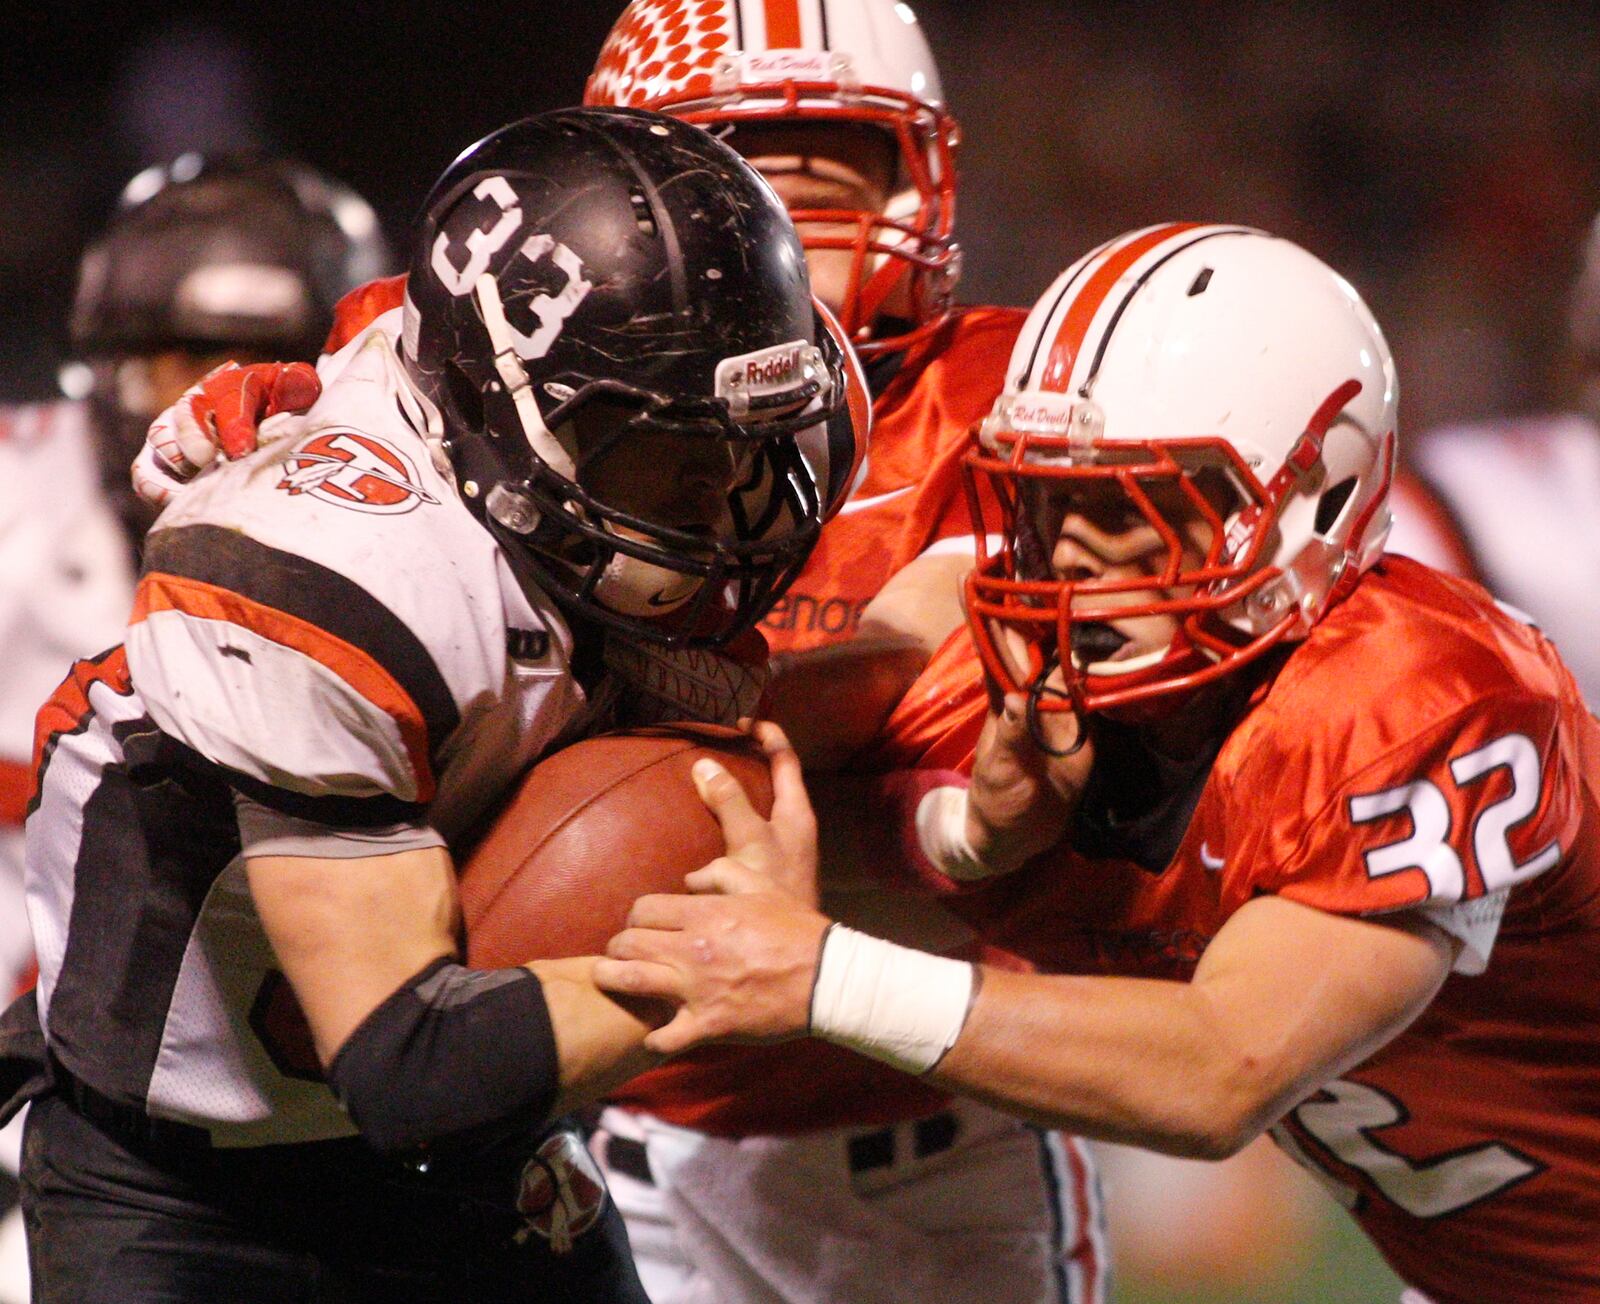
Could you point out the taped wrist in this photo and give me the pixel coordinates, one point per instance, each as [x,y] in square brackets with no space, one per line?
[941,821]
[451,1051]
[889,1002]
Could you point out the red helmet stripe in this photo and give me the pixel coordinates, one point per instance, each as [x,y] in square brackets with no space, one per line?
[1081,311]
[783,24]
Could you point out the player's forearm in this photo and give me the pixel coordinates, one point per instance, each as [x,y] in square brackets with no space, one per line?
[599,1037]
[860,683]
[1138,1061]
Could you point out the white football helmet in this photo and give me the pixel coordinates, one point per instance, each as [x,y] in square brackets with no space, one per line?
[1240,373]
[720,63]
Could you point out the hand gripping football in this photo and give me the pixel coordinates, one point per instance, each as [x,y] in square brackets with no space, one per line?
[591,829]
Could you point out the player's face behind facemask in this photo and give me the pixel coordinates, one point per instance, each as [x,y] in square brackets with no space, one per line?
[675,481]
[835,179]
[1128,547]
[239,257]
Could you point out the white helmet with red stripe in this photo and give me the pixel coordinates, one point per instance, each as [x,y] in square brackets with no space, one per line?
[1209,372]
[720,63]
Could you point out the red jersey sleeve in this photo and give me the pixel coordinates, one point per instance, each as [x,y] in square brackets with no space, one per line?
[361,307]
[937,723]
[1436,778]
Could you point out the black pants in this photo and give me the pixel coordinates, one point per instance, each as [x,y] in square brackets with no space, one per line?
[114,1221]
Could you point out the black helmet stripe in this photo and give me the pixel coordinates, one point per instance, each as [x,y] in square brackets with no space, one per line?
[1139,284]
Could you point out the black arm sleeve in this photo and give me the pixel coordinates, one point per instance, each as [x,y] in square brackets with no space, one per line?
[452,1052]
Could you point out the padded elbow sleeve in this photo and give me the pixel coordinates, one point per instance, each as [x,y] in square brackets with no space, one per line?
[452,1051]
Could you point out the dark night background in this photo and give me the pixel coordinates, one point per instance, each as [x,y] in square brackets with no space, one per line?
[1444,157]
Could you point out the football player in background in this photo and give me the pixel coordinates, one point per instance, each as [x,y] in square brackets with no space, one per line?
[1526,489]
[206,259]
[584,419]
[1300,836]
[908,1194]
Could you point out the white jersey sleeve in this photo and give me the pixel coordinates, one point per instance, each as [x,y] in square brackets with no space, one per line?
[321,618]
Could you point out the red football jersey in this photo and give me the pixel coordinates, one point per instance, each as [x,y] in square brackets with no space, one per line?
[361,307]
[1420,750]
[911,499]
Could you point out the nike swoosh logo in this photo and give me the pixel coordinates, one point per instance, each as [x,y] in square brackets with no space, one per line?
[1211,862]
[861,504]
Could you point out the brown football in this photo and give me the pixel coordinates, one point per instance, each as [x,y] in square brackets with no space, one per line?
[591,829]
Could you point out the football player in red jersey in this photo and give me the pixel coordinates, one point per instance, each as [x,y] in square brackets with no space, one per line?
[838,104]
[1301,837]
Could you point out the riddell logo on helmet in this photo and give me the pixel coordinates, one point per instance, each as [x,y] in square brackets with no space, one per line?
[774,373]
[767,371]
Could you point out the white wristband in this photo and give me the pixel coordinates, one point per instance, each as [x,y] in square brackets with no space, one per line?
[942,833]
[889,1002]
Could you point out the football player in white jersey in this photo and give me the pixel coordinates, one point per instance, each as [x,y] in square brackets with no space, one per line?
[204,259]
[1525,489]
[586,419]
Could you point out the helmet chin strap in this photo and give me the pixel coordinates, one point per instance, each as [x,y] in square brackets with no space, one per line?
[514,376]
[1038,690]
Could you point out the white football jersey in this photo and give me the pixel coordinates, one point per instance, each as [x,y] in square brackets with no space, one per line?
[325,648]
[1526,494]
[66,586]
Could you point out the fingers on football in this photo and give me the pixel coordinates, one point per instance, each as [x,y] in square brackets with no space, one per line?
[658,910]
[685,1031]
[727,877]
[637,978]
[744,832]
[791,806]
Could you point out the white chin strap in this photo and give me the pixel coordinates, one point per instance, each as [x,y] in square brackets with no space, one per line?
[514,376]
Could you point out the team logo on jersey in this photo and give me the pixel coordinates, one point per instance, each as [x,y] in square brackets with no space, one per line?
[561,1192]
[349,469]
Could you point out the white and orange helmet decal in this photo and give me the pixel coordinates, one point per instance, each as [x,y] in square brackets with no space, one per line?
[1172,355]
[724,62]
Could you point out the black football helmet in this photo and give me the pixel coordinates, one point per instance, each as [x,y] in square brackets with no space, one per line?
[243,254]
[623,259]
[236,250]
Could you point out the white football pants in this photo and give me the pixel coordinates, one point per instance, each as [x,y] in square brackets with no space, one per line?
[970,1206]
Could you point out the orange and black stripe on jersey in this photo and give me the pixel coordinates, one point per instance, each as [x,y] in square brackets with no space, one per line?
[130,864]
[221,576]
